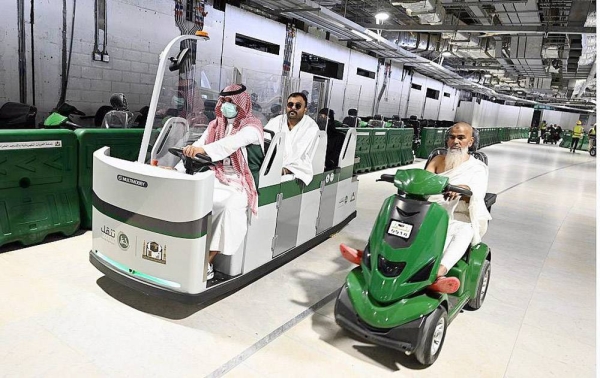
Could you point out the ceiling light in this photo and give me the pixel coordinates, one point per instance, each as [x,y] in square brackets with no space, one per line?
[382,16]
[361,35]
[447,53]
[487,75]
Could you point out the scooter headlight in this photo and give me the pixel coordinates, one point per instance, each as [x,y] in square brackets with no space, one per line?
[390,268]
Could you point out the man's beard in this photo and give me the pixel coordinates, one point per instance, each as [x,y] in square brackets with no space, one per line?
[455,157]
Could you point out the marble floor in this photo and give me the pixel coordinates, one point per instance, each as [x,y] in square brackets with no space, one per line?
[60,317]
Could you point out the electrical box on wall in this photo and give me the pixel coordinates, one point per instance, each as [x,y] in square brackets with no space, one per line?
[100,57]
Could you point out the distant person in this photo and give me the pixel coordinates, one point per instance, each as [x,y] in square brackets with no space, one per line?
[352,119]
[325,118]
[301,138]
[577,134]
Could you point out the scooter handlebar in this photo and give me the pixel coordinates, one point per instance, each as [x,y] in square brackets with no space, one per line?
[459,190]
[199,158]
[387,178]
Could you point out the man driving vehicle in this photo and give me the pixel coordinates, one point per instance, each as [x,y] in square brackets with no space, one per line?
[301,138]
[468,215]
[225,141]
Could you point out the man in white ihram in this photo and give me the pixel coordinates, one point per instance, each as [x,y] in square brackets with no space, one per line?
[468,215]
[301,138]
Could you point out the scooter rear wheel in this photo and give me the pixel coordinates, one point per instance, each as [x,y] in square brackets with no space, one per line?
[434,333]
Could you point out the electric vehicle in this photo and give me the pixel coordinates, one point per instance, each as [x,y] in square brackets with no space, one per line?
[151,226]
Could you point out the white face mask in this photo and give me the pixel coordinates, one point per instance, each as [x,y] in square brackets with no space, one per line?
[229,110]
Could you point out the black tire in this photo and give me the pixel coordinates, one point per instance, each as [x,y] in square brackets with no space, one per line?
[431,344]
[593,152]
[482,287]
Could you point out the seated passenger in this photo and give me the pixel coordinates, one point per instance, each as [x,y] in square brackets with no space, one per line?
[468,215]
[301,138]
[225,141]
[352,119]
[335,138]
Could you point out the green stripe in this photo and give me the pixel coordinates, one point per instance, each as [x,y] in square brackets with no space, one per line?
[291,188]
[332,177]
[268,195]
[314,184]
[346,172]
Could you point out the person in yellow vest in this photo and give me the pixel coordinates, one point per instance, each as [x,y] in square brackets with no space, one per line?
[577,134]
[592,135]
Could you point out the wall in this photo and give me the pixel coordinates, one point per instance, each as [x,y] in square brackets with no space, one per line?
[139,29]
[563,119]
[490,114]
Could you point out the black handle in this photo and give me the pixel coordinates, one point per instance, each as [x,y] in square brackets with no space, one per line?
[459,190]
[270,132]
[387,178]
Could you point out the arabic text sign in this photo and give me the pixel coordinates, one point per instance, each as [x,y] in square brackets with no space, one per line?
[5,146]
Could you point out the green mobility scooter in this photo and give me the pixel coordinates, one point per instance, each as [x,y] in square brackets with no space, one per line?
[386,299]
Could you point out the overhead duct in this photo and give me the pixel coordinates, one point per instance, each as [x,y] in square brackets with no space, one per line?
[428,11]
[588,43]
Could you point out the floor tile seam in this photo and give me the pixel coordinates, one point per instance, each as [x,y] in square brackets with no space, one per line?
[266,340]
[533,291]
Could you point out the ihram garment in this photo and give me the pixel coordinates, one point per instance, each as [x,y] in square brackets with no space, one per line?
[225,142]
[468,222]
[300,145]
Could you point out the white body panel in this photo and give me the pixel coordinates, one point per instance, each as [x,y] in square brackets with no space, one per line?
[156,197]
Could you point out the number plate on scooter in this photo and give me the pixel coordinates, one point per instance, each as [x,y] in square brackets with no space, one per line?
[400,229]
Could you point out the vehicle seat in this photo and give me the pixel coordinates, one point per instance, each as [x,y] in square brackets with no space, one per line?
[350,121]
[118,119]
[14,115]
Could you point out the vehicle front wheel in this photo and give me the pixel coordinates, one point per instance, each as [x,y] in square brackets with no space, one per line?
[482,287]
[434,333]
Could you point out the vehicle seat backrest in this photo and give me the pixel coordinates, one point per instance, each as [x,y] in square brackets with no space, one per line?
[375,123]
[350,121]
[335,142]
[118,119]
[15,115]
[256,156]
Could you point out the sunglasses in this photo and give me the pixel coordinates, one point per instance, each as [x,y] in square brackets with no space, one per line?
[292,105]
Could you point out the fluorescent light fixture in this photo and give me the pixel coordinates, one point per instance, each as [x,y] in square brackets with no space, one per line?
[382,16]
[396,3]
[361,35]
[374,35]
[487,75]
[447,53]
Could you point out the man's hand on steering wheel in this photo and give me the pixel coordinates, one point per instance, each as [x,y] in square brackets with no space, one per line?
[191,151]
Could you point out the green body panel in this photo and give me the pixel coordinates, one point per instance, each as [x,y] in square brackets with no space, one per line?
[268,194]
[292,188]
[479,254]
[346,172]
[38,186]
[55,120]
[423,249]
[419,182]
[124,144]
[314,184]
[386,316]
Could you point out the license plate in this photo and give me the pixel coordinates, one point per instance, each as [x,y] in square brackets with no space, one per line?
[400,229]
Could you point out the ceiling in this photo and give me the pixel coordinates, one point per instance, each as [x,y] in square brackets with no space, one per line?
[527,51]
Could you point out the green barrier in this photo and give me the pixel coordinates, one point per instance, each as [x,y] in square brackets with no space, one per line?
[393,149]
[363,149]
[124,144]
[378,149]
[566,139]
[428,140]
[38,185]
[406,148]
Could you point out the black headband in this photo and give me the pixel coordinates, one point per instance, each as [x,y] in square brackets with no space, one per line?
[237,91]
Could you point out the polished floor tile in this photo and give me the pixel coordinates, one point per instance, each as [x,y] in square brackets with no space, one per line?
[61,317]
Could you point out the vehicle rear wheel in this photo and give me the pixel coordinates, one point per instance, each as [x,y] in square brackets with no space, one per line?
[593,152]
[482,287]
[434,333]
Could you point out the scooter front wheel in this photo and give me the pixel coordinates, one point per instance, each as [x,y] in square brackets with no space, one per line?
[434,333]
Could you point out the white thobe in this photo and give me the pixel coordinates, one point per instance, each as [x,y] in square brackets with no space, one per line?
[230,202]
[468,222]
[300,145]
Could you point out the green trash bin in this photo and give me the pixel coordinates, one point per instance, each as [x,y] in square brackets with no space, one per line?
[38,187]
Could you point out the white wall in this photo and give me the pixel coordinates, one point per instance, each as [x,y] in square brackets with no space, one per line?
[563,119]
[139,29]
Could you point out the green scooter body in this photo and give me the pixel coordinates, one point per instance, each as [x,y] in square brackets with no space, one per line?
[55,120]
[388,289]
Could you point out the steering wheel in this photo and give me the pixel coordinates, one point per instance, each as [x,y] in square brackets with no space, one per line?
[457,189]
[192,164]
